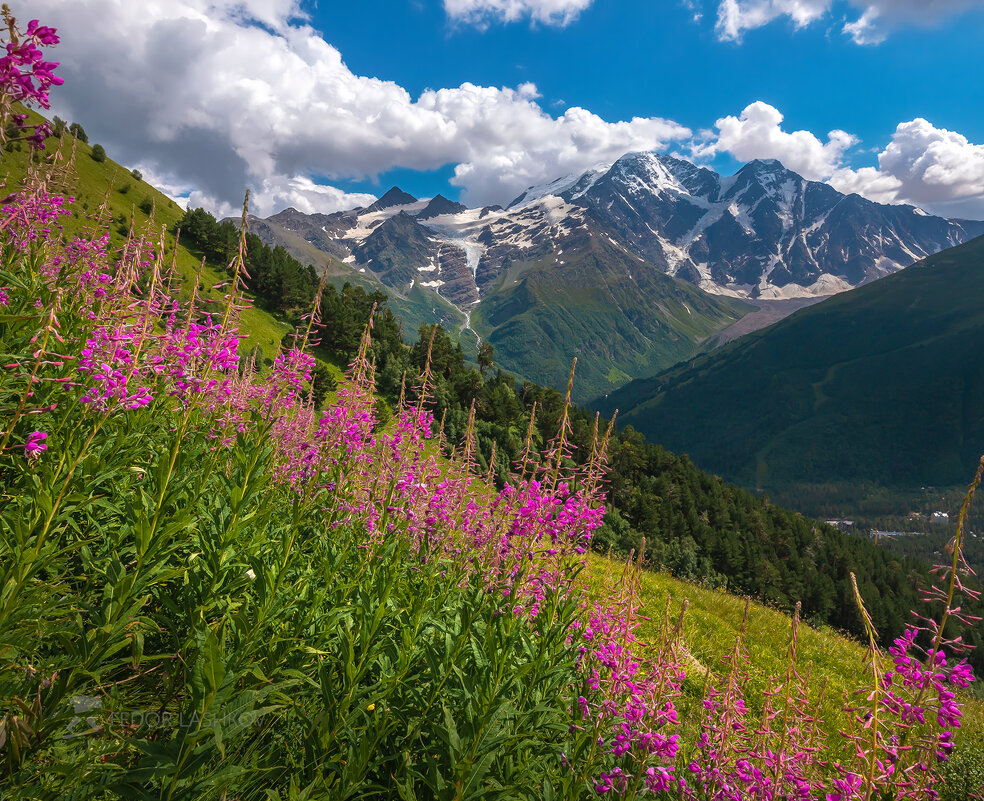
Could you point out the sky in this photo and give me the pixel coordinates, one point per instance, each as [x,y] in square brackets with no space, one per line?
[324,104]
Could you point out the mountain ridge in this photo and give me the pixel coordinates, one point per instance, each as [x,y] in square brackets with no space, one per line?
[764,233]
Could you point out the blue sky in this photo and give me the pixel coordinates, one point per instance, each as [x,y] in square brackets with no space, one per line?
[321,104]
[625,58]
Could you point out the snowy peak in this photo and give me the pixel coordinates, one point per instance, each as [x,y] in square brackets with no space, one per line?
[574,184]
[764,232]
[439,205]
[393,197]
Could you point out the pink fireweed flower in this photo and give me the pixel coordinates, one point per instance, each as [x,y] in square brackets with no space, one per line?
[35,444]
[107,362]
[4,297]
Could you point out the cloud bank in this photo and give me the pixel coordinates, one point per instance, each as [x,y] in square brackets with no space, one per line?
[221,95]
[213,96]
[875,20]
[757,134]
[547,12]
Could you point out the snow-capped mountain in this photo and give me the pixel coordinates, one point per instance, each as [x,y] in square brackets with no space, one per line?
[764,232]
[654,246]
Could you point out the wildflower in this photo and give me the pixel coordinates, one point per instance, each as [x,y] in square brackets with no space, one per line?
[35,444]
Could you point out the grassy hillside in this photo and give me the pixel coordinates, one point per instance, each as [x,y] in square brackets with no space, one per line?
[177,624]
[108,197]
[882,384]
[836,663]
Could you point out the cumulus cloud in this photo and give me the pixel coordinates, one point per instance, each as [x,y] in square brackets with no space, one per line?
[224,94]
[936,169]
[877,18]
[928,166]
[737,16]
[547,12]
[758,134]
[880,17]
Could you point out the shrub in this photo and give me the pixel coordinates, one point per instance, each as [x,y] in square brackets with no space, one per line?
[98,153]
[78,132]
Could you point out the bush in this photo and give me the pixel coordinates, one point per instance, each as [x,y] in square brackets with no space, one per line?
[78,132]
[124,188]
[98,153]
[137,175]
[146,206]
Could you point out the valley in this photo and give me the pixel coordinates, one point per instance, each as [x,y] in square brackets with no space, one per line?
[631,266]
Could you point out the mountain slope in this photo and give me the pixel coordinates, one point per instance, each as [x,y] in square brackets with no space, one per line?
[120,199]
[618,314]
[884,383]
[579,265]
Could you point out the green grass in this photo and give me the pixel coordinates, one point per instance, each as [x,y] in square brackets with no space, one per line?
[97,184]
[711,626]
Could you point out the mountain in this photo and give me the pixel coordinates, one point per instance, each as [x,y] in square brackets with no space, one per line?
[394,197]
[764,232]
[441,205]
[882,384]
[630,266]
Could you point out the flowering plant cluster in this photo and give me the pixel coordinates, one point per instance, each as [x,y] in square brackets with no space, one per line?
[337,608]
[25,77]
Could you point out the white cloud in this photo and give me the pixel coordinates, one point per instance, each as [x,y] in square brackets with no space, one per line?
[924,165]
[936,169]
[757,134]
[876,18]
[879,17]
[547,12]
[225,95]
[737,16]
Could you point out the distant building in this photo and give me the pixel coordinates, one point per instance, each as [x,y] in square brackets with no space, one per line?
[941,518]
[843,525]
[877,535]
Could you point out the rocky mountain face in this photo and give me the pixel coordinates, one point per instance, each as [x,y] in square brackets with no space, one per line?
[764,232]
[661,248]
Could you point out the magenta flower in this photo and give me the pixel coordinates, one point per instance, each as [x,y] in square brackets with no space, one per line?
[35,445]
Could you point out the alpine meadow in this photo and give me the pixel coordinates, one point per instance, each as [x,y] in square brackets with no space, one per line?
[336,502]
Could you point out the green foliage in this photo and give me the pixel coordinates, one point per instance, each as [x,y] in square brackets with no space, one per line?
[281,284]
[137,175]
[882,385]
[98,154]
[322,384]
[78,132]
[222,646]
[94,183]
[177,624]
